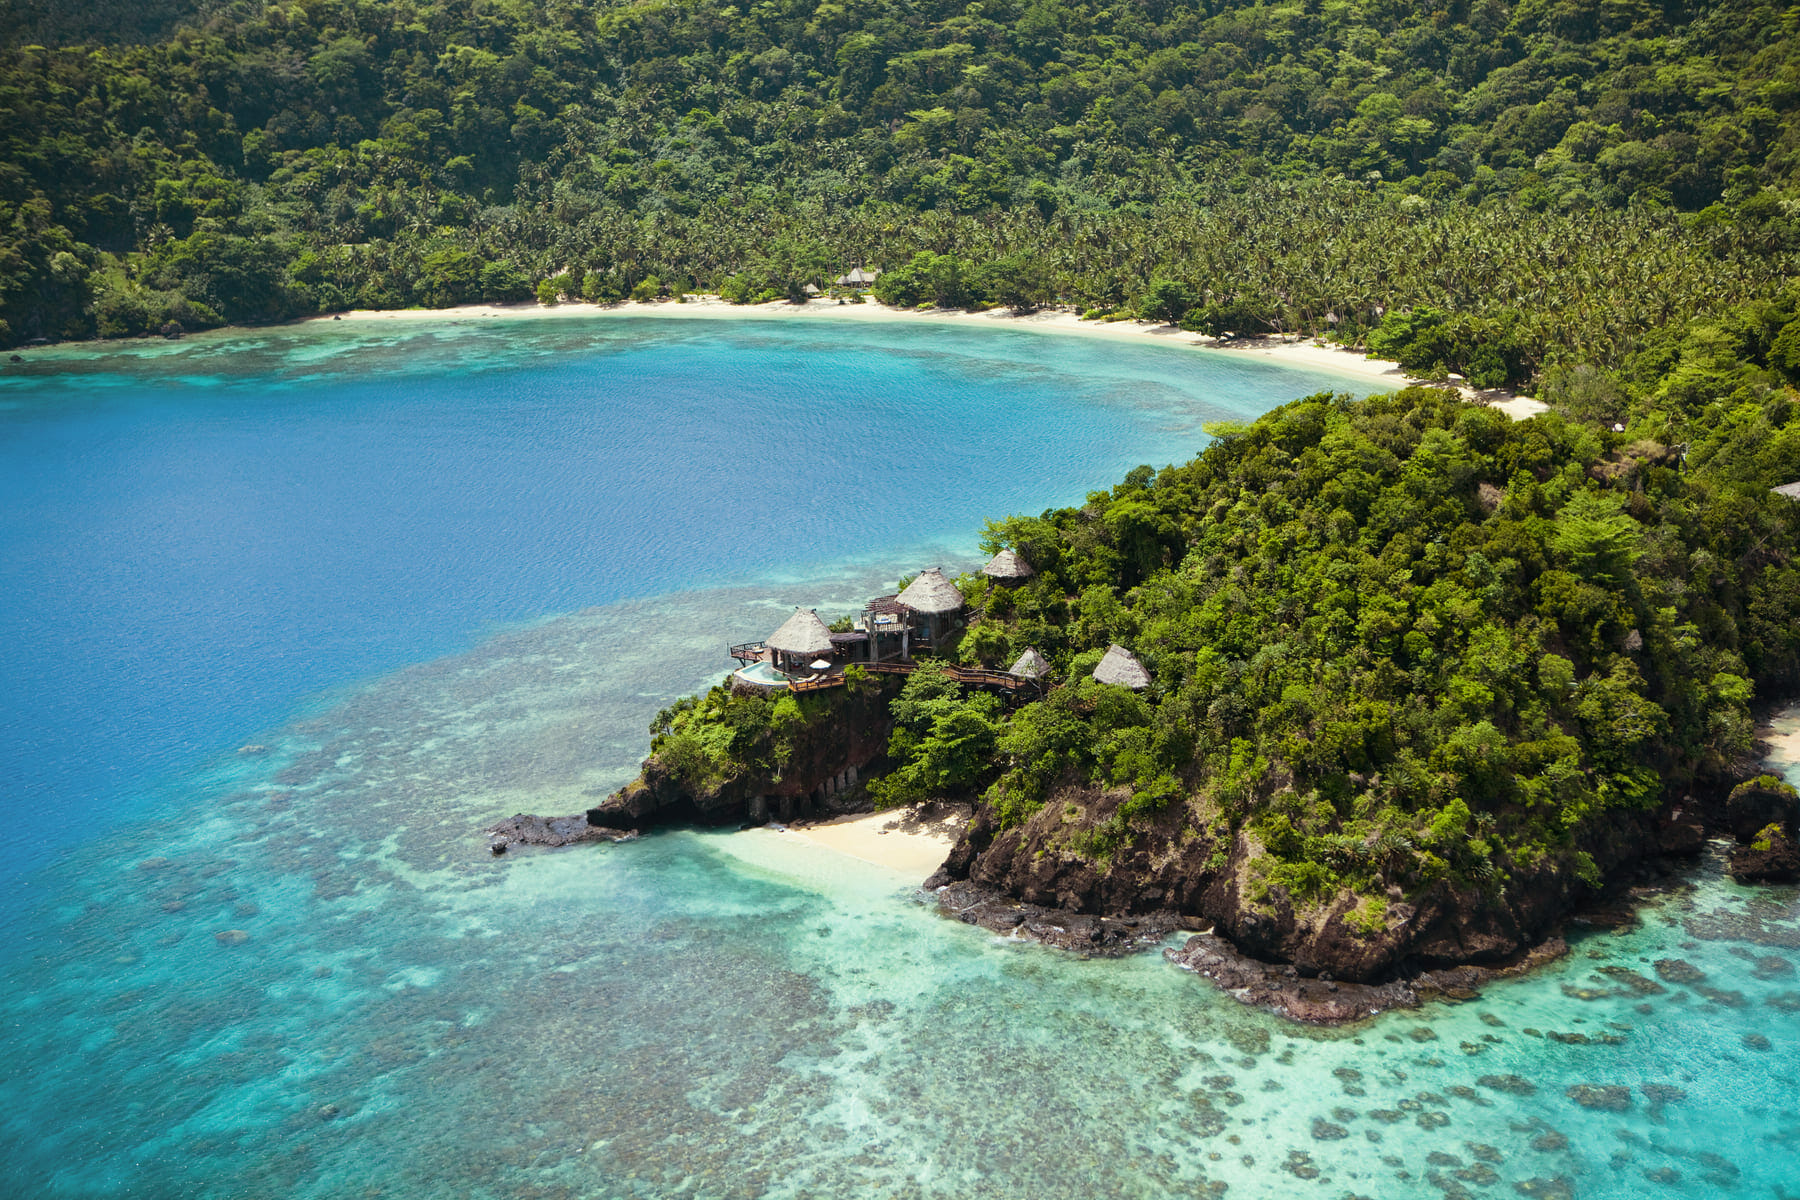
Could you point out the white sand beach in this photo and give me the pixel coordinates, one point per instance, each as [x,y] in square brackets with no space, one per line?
[1292,351]
[1783,737]
[907,842]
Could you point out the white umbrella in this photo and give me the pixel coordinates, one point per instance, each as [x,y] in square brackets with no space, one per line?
[820,664]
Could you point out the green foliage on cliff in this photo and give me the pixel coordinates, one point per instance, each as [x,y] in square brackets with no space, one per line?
[1407,639]
[942,739]
[1543,177]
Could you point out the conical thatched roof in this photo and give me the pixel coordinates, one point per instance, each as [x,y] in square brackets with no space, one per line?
[1121,666]
[1031,665]
[1008,565]
[1790,490]
[802,633]
[931,593]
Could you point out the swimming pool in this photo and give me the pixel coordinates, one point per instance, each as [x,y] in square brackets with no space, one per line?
[762,675]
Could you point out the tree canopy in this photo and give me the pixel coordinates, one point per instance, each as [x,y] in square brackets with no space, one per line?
[1551,180]
[1402,642]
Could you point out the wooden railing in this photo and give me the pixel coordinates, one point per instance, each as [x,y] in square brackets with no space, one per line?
[981,677]
[971,676]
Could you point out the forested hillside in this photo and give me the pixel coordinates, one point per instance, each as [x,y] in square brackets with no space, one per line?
[1553,179]
[105,22]
[1422,677]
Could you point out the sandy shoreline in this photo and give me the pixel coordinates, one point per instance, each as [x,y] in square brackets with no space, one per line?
[1301,352]
[1783,738]
[1294,352]
[902,841]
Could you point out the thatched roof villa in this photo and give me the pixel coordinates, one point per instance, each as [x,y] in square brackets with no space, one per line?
[935,605]
[1121,666]
[1029,665]
[932,594]
[802,638]
[1007,567]
[1790,490]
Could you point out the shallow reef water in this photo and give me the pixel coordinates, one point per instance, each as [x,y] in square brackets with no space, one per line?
[317,982]
[300,973]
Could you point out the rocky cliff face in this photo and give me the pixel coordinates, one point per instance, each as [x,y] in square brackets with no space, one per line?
[1172,872]
[827,759]
[1173,868]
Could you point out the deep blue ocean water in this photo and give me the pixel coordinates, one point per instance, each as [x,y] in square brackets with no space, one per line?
[197,537]
[437,574]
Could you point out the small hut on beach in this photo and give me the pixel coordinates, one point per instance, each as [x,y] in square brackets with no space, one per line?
[1029,665]
[935,604]
[856,277]
[802,638]
[1008,568]
[1121,666]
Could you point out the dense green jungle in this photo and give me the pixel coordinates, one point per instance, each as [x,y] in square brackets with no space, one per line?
[1402,649]
[1539,183]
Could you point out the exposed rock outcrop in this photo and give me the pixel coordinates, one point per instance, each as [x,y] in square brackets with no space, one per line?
[1771,857]
[1763,814]
[524,829]
[1758,803]
[1171,867]
[1083,933]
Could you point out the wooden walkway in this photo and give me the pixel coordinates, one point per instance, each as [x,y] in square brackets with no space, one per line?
[969,676]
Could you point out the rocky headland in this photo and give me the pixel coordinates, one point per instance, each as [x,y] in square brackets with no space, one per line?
[1170,868]
[815,770]
[1373,690]
[1318,964]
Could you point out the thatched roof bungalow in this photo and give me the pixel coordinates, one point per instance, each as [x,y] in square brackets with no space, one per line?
[935,604]
[931,594]
[801,638]
[857,277]
[1790,490]
[1029,665]
[1008,567]
[1121,666]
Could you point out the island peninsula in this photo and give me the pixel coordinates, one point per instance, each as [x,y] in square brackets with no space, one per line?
[1374,688]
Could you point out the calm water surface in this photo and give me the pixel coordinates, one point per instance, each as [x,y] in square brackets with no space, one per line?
[444,574]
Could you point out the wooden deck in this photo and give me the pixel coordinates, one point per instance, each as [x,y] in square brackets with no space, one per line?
[969,676]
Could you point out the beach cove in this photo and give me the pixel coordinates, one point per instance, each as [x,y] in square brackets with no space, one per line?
[296,969]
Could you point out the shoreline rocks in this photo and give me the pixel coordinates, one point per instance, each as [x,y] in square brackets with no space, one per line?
[526,829]
[1763,815]
[1280,988]
[1080,933]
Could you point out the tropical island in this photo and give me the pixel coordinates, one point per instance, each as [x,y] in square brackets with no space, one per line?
[1417,679]
[1373,687]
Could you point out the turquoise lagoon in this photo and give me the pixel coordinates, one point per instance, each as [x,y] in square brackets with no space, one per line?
[440,574]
